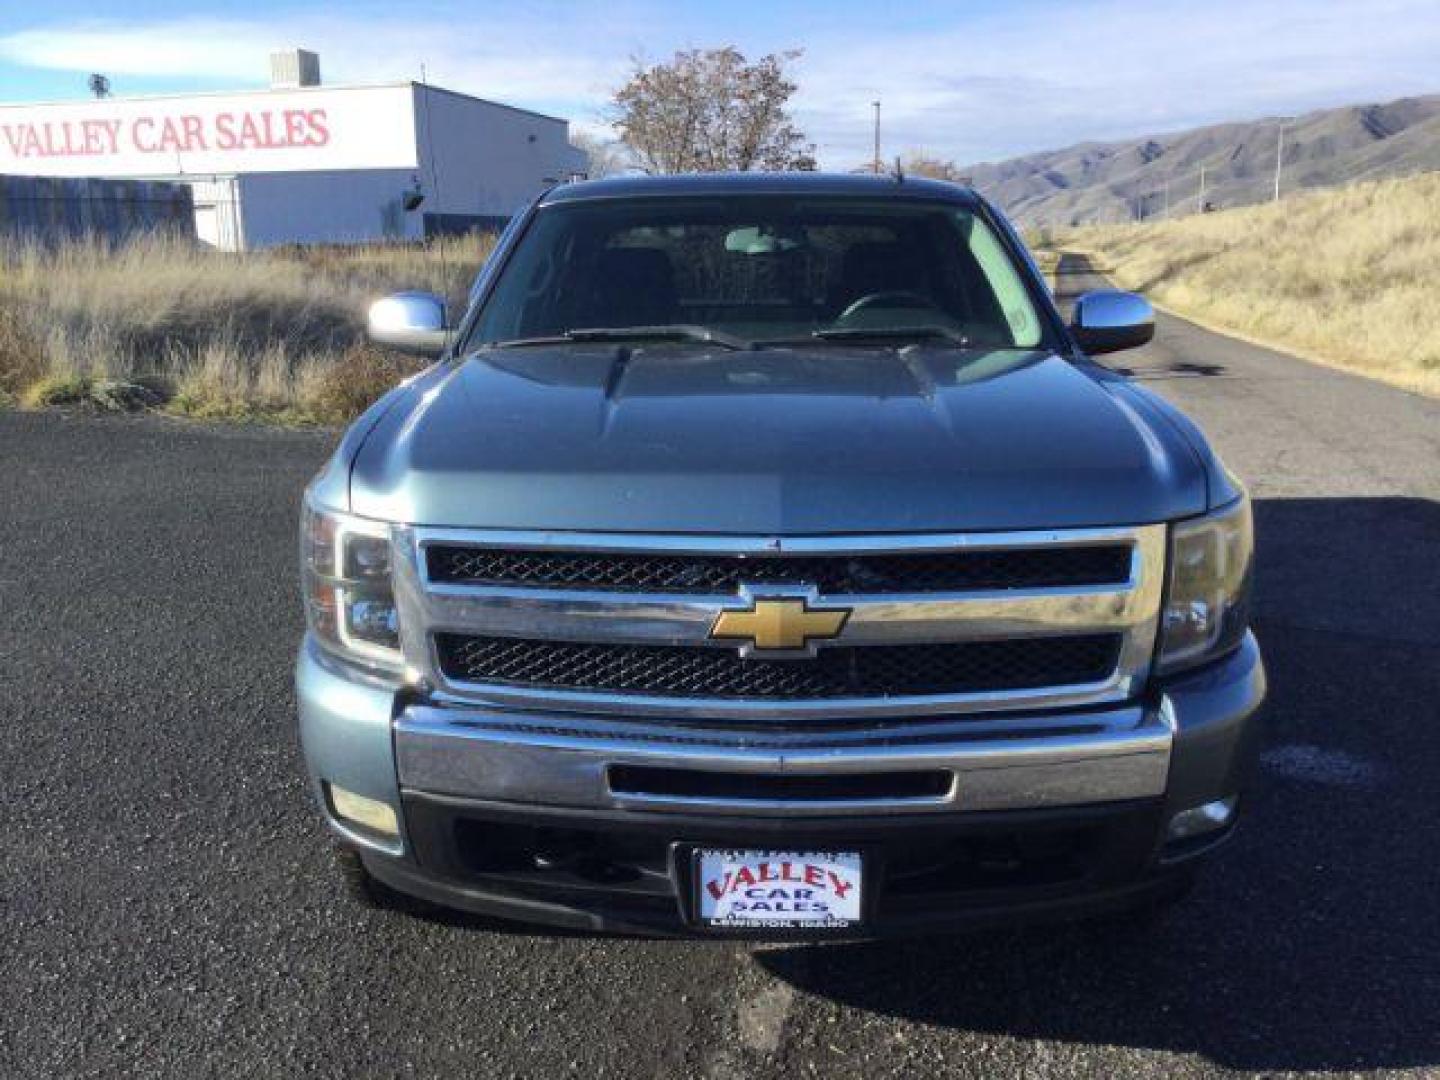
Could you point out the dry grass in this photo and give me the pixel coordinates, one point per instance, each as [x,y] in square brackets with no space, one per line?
[22,359]
[272,336]
[1344,276]
[1041,243]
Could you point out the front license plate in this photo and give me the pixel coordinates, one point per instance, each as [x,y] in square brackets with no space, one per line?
[747,889]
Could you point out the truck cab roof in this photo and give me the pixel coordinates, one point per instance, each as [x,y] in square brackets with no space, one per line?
[756,183]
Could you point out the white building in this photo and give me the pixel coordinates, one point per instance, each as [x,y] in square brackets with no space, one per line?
[305,163]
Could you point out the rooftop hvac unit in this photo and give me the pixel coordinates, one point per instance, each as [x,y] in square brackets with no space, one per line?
[290,68]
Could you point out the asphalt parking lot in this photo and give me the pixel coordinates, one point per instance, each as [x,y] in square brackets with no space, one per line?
[167,905]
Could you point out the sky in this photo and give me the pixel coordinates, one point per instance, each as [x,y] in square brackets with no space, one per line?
[965,80]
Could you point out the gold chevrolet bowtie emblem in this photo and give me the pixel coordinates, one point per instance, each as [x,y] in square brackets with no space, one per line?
[780,624]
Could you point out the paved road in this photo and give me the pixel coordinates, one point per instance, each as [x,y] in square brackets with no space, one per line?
[166,906]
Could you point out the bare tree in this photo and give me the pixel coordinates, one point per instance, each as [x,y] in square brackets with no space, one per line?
[603,157]
[711,111]
[919,163]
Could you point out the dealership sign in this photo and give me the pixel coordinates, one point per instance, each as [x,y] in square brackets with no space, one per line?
[273,131]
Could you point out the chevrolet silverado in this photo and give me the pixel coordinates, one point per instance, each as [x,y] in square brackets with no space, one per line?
[764,555]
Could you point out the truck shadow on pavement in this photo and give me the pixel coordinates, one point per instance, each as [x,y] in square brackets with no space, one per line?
[1313,942]
[1179,370]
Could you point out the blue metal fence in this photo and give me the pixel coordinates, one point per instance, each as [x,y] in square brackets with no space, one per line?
[48,209]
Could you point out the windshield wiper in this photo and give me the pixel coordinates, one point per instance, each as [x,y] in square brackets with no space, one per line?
[670,332]
[889,333]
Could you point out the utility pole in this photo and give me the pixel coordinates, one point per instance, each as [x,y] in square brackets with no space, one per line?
[876,104]
[1200,199]
[1279,158]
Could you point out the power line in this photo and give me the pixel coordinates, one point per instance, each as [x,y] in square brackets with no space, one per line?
[1279,157]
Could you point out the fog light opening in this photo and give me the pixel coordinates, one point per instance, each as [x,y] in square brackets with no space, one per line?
[1200,820]
[370,814]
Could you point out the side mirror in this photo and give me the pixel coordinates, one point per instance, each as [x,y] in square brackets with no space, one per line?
[1109,320]
[410,321]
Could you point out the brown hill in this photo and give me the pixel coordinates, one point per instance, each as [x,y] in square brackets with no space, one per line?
[1138,178]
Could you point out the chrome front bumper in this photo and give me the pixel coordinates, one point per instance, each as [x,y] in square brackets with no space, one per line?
[565,761]
[1103,781]
[1109,778]
[1191,744]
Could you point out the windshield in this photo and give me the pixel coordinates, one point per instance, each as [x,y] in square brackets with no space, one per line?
[758,269]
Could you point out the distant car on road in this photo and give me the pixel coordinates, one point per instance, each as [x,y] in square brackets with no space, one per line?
[764,556]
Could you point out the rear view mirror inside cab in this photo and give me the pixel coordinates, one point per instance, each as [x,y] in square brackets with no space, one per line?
[763,240]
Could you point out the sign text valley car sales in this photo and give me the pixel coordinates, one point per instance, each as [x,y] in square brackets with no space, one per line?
[258,129]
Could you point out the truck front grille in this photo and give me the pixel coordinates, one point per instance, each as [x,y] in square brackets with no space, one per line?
[935,624]
[836,672]
[853,574]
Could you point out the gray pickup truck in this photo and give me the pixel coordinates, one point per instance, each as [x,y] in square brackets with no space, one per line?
[765,556]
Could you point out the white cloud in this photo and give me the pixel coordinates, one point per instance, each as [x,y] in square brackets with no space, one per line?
[965,86]
[501,58]
[1048,76]
[213,49]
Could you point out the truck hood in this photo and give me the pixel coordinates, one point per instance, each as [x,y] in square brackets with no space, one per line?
[687,439]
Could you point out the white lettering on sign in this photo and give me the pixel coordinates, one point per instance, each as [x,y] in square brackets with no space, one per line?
[362,127]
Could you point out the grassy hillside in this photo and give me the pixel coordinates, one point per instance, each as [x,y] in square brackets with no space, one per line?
[1346,276]
[1118,181]
[162,324]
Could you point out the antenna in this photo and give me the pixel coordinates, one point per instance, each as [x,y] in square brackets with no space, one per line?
[876,159]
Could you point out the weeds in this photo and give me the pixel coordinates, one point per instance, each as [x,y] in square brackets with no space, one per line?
[1345,276]
[272,336]
[361,374]
[22,359]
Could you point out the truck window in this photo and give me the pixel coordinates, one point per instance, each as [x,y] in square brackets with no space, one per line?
[1010,292]
[761,268]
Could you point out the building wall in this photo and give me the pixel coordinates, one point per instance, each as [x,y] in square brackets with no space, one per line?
[485,159]
[217,213]
[308,165]
[346,207]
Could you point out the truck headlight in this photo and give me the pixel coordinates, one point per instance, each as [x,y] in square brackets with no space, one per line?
[1207,605]
[349,601]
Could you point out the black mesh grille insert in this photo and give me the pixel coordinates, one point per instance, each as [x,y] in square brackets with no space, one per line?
[866,671]
[945,571]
